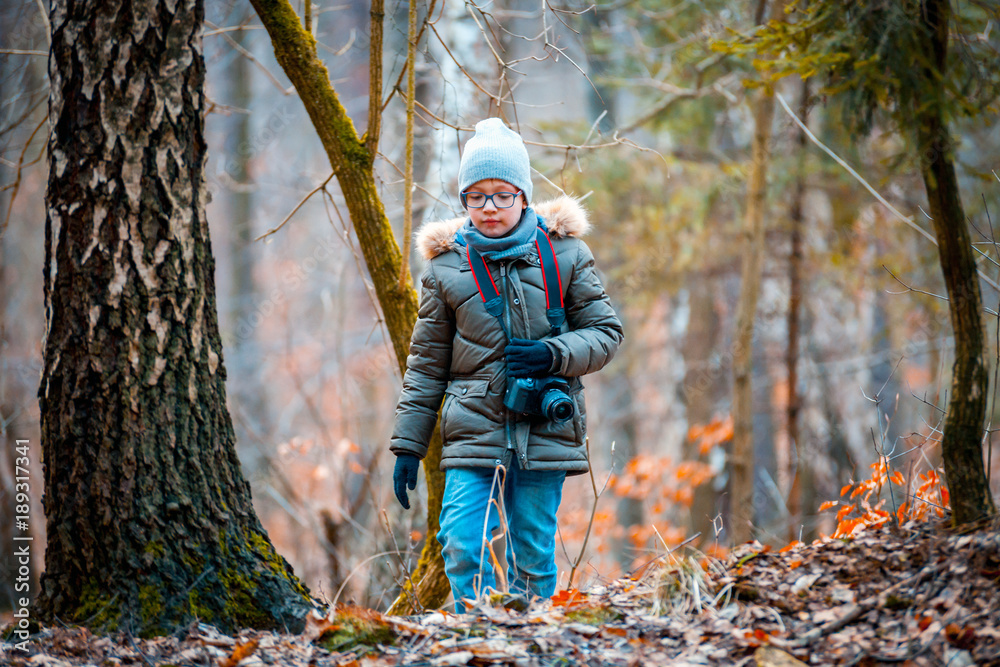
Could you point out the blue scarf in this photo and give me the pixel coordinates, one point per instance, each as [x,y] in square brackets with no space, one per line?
[516,242]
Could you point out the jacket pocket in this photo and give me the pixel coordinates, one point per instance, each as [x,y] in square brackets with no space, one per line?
[458,416]
[462,388]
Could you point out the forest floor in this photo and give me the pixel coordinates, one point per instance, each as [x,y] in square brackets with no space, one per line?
[916,595]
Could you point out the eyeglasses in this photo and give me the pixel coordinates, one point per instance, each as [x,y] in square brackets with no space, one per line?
[499,199]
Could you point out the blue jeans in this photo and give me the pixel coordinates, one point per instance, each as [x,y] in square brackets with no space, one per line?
[530,499]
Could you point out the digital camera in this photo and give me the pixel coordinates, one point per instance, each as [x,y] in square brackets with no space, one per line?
[546,397]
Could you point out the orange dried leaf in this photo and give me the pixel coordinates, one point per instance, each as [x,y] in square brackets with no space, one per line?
[788,547]
[695,432]
[726,429]
[241,652]
[897,477]
[844,511]
[316,625]
[568,598]
[846,527]
[828,504]
[844,489]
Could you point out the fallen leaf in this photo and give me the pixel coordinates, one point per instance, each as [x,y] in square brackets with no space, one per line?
[241,652]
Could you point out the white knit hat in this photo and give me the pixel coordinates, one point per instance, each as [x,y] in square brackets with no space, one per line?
[498,152]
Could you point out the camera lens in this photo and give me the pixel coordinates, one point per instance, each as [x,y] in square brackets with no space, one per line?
[557,406]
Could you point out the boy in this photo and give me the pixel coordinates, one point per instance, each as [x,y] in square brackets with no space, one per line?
[489,331]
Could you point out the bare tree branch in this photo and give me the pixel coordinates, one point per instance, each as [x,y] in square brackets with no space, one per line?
[20,168]
[246,54]
[908,221]
[321,186]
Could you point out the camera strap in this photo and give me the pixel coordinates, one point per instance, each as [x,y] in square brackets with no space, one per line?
[555,313]
[554,309]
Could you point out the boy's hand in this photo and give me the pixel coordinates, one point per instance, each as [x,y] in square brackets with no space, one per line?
[528,358]
[405,475]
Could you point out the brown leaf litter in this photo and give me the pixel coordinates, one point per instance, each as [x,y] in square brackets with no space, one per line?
[912,596]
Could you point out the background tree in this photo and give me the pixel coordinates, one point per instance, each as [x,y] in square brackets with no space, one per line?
[352,159]
[23,127]
[743,464]
[149,517]
[896,60]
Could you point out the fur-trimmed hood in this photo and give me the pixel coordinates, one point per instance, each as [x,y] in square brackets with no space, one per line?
[564,216]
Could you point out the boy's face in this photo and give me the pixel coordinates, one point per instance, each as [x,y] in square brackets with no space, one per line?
[491,220]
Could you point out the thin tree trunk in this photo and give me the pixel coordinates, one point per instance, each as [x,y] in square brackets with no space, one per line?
[962,442]
[701,389]
[352,159]
[629,511]
[797,461]
[150,522]
[423,139]
[742,456]
[241,198]
[596,32]
[248,395]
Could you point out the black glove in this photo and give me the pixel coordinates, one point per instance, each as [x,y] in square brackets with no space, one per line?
[405,475]
[528,358]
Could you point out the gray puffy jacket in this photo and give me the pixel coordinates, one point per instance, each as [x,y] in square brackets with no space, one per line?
[457,349]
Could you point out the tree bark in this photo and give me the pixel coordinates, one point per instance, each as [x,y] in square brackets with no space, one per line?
[962,442]
[742,456]
[150,521]
[352,159]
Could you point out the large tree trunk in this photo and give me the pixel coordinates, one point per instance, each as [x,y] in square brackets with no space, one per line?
[150,522]
[742,457]
[352,159]
[962,442]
